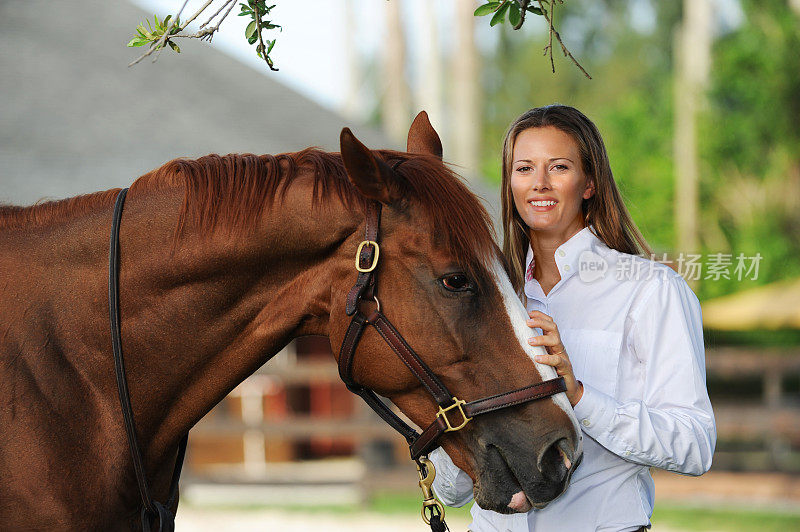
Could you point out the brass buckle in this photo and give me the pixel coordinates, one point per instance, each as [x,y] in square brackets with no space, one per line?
[429,502]
[459,403]
[374,259]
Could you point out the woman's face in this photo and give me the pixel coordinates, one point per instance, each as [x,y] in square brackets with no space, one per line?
[547,181]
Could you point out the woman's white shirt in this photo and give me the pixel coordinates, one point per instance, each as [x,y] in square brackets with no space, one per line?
[633,331]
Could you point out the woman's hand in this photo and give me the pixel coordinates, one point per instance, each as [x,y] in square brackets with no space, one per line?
[557,355]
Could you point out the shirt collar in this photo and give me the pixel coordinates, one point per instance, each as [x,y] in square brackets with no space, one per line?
[567,255]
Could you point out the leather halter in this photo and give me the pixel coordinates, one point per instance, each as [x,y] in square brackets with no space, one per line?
[454,413]
[150,507]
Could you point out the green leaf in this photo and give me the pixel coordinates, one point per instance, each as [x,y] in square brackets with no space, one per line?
[485,9]
[271,44]
[534,10]
[500,14]
[514,14]
[250,31]
[137,41]
[252,39]
[174,46]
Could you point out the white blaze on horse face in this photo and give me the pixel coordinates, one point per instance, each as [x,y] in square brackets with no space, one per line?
[519,317]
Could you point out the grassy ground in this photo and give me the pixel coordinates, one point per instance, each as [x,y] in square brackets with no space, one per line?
[724,519]
[671,516]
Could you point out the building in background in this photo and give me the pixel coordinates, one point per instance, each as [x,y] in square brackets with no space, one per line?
[74,118]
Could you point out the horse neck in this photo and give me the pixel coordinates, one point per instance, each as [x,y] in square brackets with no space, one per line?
[200,316]
[221,307]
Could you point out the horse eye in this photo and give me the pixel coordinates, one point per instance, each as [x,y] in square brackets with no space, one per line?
[457,282]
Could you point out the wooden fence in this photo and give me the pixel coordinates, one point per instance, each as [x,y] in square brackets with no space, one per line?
[263,423]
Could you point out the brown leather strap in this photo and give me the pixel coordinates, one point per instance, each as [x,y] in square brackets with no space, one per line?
[420,370]
[427,440]
[516,397]
[365,258]
[351,338]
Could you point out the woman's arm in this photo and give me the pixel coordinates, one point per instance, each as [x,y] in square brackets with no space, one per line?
[673,426]
[452,486]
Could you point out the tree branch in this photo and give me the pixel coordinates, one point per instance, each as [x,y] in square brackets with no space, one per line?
[167,34]
[553,31]
[523,6]
[261,46]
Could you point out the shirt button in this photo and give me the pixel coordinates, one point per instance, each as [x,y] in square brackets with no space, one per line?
[566,267]
[586,422]
[561,252]
[627,453]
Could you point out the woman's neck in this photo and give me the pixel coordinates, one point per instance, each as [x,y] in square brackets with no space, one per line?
[544,245]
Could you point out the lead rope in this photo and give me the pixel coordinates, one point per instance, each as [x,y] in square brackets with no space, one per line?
[151,509]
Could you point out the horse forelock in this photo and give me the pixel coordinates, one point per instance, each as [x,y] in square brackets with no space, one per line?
[231,192]
[454,214]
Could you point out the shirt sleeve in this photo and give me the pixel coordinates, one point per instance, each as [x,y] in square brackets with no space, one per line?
[451,485]
[672,427]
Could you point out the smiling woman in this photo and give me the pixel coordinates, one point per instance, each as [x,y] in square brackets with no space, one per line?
[624,332]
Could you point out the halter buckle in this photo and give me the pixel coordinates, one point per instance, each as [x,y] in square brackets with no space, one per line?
[458,403]
[374,259]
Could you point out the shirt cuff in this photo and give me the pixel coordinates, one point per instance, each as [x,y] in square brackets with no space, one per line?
[595,411]
[452,485]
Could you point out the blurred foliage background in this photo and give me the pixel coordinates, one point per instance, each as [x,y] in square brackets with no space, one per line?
[749,127]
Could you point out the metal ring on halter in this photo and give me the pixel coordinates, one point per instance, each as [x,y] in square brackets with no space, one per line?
[378,306]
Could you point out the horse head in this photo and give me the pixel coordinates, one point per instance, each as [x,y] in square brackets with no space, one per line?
[441,280]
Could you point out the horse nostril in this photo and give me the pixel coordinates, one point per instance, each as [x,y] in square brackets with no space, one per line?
[565,452]
[556,461]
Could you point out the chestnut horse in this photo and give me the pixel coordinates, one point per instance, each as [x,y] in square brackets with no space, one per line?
[224,260]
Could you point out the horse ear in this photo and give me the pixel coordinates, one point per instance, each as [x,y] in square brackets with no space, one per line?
[370,175]
[422,138]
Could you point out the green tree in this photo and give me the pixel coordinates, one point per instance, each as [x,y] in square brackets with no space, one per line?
[751,143]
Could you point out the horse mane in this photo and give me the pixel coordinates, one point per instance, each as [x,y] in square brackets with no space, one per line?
[231,192]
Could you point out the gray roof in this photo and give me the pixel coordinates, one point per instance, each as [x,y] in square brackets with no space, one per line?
[74,118]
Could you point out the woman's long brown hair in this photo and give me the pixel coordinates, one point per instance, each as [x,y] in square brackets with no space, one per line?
[605,210]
